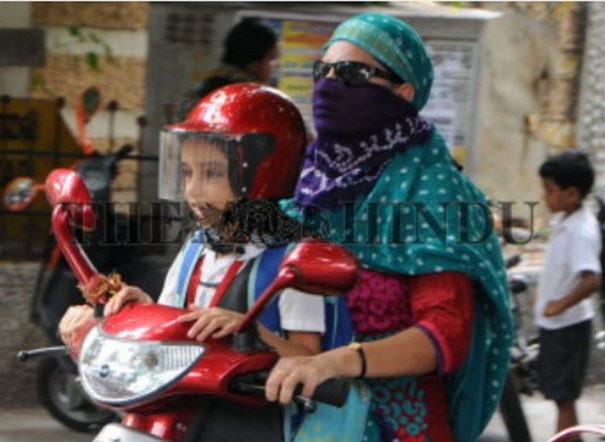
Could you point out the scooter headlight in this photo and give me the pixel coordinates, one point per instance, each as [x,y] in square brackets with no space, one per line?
[118,371]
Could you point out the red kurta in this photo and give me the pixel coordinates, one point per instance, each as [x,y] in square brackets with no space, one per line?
[441,305]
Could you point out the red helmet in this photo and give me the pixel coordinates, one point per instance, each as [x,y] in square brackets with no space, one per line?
[266,140]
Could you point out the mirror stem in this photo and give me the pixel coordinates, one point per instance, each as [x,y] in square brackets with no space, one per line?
[98,310]
[83,269]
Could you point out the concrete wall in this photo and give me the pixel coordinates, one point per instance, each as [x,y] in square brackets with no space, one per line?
[117,34]
[591,112]
[519,52]
[530,89]
[14,80]
[17,379]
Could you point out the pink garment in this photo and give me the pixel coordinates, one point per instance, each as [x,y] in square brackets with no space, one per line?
[378,303]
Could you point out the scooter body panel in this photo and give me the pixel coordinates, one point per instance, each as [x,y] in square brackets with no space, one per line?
[210,375]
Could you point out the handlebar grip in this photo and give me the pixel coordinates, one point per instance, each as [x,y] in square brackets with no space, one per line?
[332,392]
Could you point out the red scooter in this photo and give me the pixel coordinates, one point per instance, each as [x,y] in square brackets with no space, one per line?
[140,361]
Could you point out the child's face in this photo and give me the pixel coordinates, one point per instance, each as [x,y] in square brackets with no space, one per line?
[206,186]
[558,199]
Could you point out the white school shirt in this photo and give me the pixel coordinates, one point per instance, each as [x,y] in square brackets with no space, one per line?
[298,311]
[574,247]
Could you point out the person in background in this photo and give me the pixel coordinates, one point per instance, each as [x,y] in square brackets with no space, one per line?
[431,310]
[571,273]
[250,54]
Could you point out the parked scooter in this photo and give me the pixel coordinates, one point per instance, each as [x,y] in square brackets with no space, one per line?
[116,245]
[141,362]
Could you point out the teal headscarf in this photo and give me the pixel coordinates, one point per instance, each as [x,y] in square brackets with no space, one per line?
[395,44]
[423,216]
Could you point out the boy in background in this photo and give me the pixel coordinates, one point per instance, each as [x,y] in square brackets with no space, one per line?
[571,273]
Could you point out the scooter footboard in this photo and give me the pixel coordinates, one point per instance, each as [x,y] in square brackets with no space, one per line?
[117,432]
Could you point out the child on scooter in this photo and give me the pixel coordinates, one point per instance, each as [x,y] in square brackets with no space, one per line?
[239,150]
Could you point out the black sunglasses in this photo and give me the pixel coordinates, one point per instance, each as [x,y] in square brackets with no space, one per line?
[352,73]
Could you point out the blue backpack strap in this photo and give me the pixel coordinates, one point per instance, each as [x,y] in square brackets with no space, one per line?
[339,328]
[191,253]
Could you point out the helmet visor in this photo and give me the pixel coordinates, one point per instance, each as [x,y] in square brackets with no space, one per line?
[198,164]
[170,186]
[209,165]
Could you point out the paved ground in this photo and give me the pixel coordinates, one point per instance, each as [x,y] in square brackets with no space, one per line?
[35,425]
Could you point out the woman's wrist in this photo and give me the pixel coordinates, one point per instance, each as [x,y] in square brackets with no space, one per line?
[358,348]
[346,362]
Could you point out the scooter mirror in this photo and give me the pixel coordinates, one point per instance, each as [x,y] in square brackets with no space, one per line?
[315,267]
[322,268]
[65,187]
[20,192]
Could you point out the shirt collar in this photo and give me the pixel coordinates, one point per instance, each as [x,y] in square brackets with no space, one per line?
[246,252]
[562,222]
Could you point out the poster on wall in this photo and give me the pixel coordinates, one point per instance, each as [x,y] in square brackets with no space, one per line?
[451,99]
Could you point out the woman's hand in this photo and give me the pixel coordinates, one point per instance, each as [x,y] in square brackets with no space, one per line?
[72,320]
[127,294]
[309,371]
[214,321]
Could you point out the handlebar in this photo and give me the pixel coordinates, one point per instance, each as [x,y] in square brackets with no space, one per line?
[25,355]
[331,392]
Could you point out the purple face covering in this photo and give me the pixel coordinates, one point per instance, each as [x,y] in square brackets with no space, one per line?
[357,137]
[338,108]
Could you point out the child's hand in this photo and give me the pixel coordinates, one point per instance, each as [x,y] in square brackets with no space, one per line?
[72,320]
[214,321]
[554,308]
[128,293]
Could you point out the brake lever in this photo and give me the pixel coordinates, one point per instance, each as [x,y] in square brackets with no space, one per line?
[308,405]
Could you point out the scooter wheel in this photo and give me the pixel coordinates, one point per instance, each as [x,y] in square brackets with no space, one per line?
[61,394]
